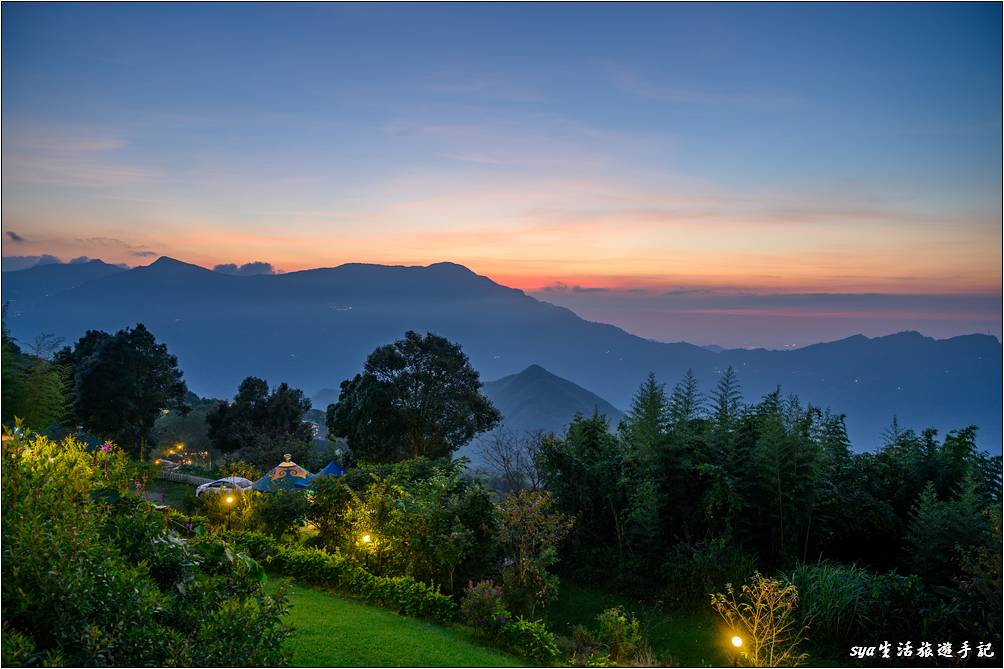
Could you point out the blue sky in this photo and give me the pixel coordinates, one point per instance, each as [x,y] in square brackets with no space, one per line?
[726,149]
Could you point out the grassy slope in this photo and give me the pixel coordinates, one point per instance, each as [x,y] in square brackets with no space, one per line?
[685,637]
[336,632]
[170,492]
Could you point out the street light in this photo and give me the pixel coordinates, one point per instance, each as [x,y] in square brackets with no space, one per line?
[367,538]
[737,643]
[230,500]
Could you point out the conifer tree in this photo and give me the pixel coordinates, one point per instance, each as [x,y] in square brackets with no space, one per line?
[686,403]
[647,420]
[728,398]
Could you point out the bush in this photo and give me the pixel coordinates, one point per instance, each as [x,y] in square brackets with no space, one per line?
[619,633]
[763,614]
[531,639]
[312,565]
[584,645]
[422,518]
[236,514]
[484,609]
[846,604]
[695,570]
[280,513]
[95,576]
[242,469]
[530,533]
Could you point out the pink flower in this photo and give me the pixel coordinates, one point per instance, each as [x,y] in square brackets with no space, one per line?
[106,447]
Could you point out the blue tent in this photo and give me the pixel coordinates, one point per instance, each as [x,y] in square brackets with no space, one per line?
[333,469]
[286,476]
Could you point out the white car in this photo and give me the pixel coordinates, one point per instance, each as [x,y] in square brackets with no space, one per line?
[230,483]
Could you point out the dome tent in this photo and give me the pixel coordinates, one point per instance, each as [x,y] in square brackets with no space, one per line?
[333,469]
[285,476]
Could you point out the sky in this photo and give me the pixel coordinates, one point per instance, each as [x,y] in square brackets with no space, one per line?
[742,175]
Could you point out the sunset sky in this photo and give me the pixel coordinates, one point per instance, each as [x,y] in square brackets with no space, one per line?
[729,174]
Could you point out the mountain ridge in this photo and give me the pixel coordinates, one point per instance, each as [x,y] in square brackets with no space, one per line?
[314,328]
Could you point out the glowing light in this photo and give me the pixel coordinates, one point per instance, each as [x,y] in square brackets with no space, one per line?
[367,538]
[737,641]
[230,500]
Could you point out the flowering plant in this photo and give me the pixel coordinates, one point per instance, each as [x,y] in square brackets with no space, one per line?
[483,608]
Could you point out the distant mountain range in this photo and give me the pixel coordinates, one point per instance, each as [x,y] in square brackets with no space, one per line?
[315,328]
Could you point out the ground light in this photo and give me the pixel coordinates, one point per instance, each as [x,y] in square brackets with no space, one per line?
[230,500]
[737,643]
[367,538]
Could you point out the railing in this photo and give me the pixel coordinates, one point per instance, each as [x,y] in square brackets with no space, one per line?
[181,478]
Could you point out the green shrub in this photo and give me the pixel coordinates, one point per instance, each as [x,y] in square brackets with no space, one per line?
[842,604]
[17,649]
[229,510]
[423,519]
[240,468]
[597,660]
[530,533]
[694,570]
[620,633]
[229,627]
[531,639]
[280,513]
[312,565]
[95,576]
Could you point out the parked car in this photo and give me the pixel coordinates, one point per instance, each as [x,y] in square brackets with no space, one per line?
[229,483]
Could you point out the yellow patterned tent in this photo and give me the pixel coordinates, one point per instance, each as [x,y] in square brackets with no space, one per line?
[285,476]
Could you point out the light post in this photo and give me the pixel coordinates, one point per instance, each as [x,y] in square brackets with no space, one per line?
[737,643]
[366,540]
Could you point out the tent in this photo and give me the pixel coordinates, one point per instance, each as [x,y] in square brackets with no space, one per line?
[333,469]
[285,476]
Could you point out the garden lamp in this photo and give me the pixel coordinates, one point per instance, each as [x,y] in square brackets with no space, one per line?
[737,643]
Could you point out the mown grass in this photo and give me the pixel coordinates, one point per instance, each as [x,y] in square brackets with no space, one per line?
[331,631]
[687,638]
[173,493]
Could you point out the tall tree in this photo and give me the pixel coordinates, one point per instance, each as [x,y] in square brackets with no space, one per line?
[686,403]
[587,472]
[122,383]
[258,415]
[728,398]
[647,421]
[416,397]
[34,387]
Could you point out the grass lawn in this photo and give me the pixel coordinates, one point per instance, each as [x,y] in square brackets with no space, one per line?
[172,493]
[335,632]
[688,638]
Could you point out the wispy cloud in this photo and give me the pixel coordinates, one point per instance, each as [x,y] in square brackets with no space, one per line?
[631,81]
[56,156]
